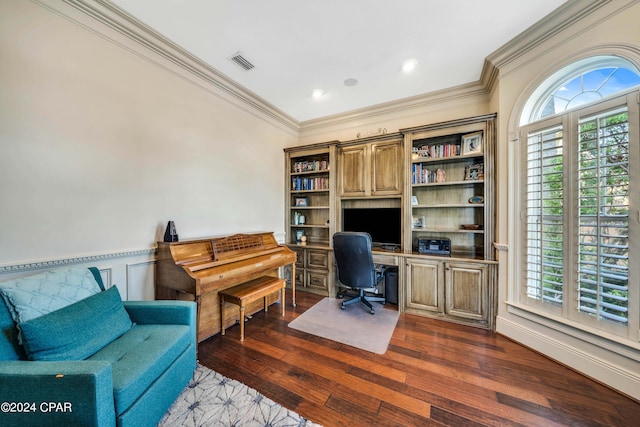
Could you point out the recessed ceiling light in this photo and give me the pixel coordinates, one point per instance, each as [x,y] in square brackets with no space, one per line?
[317,93]
[350,82]
[409,65]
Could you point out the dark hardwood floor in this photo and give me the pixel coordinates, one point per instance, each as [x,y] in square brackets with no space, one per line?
[433,373]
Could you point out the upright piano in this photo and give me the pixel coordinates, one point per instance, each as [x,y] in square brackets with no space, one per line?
[196,270]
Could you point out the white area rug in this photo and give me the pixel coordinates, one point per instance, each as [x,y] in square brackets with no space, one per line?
[354,326]
[212,399]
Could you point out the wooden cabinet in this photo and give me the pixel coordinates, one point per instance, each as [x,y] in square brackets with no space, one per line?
[454,290]
[424,289]
[441,175]
[310,212]
[314,267]
[466,291]
[449,195]
[371,167]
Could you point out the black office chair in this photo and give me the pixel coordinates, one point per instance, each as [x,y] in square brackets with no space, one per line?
[356,270]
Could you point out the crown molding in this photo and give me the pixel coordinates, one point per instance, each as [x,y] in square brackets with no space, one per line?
[412,103]
[556,22]
[109,21]
[114,24]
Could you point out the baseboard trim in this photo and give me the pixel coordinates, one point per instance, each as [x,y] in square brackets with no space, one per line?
[612,375]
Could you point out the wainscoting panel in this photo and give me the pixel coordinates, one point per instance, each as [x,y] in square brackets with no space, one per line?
[141,280]
[133,272]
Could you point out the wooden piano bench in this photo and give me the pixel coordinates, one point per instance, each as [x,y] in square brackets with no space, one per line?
[247,292]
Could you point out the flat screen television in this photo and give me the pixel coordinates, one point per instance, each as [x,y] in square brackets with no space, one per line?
[383,224]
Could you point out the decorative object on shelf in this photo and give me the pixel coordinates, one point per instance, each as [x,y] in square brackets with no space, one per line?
[170,234]
[474,172]
[417,222]
[414,201]
[303,240]
[302,201]
[298,218]
[379,131]
[472,143]
[471,226]
[440,175]
[299,235]
[476,200]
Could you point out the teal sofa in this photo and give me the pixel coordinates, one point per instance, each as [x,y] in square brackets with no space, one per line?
[90,360]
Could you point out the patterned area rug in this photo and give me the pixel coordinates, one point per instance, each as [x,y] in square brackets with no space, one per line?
[211,399]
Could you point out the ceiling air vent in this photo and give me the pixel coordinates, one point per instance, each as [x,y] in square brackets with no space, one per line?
[241,61]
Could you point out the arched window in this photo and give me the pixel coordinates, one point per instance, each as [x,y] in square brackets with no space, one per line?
[580,83]
[579,195]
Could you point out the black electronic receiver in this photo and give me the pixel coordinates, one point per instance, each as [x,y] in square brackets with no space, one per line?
[434,246]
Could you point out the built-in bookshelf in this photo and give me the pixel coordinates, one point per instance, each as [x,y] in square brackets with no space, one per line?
[449,187]
[310,196]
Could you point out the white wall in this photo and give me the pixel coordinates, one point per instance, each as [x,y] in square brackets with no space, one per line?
[101,146]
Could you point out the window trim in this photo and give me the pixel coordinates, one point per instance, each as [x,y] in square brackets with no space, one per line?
[535,102]
[564,315]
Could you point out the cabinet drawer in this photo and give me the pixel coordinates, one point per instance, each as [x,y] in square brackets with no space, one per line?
[317,280]
[318,260]
[385,259]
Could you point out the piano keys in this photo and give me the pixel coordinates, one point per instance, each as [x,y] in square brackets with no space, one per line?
[196,270]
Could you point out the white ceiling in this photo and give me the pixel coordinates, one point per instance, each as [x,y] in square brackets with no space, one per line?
[297,46]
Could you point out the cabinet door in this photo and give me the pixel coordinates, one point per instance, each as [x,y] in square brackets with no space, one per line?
[299,257]
[317,280]
[353,171]
[467,291]
[317,260]
[386,168]
[424,286]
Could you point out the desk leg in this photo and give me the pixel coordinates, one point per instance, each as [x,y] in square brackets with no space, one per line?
[293,285]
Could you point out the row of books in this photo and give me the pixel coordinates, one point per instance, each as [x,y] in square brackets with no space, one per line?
[311,166]
[437,151]
[422,175]
[314,183]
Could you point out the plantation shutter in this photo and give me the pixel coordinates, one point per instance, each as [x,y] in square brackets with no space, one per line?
[544,215]
[603,215]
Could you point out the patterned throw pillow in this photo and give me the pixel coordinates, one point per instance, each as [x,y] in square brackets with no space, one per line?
[34,296]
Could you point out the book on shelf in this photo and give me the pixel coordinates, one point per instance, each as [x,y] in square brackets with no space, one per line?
[436,151]
[311,166]
[309,183]
[422,175]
